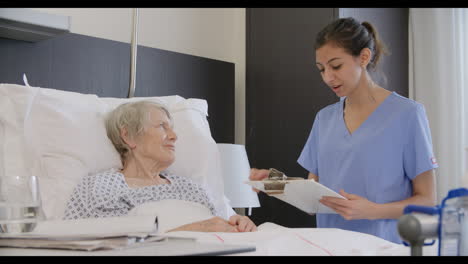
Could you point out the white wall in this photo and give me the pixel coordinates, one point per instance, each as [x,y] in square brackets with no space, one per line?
[216,33]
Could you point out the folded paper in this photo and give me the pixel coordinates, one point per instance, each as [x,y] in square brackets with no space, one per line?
[87,234]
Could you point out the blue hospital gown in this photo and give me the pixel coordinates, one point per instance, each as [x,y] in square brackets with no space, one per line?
[377,161]
[107,194]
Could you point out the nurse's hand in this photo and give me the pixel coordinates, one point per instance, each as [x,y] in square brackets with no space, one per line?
[258,175]
[356,207]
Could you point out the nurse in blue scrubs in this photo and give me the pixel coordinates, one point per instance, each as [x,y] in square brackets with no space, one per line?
[374,146]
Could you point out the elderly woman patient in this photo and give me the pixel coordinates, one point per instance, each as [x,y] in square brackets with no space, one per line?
[143,134]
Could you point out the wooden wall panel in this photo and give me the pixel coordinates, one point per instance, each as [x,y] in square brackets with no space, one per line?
[284,90]
[392,25]
[74,62]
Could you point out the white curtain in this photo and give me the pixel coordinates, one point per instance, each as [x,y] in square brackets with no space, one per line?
[438,74]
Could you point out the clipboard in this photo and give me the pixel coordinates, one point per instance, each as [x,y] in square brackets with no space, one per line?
[302,194]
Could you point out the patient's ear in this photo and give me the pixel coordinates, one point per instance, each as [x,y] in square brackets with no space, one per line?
[126,138]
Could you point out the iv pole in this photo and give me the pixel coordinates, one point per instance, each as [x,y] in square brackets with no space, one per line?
[133,58]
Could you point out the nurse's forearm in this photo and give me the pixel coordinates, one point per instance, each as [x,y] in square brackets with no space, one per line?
[395,210]
[423,194]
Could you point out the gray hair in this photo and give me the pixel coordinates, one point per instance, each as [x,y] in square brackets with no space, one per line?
[134,116]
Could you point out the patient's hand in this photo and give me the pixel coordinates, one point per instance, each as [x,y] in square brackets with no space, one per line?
[258,175]
[214,224]
[243,223]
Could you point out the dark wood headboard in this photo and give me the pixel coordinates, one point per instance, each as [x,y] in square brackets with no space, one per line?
[79,63]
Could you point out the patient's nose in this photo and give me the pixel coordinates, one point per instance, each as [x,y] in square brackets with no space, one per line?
[172,134]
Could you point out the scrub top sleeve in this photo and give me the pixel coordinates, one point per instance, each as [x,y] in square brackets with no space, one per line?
[309,155]
[418,156]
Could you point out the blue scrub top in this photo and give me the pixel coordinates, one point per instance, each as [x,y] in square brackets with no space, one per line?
[377,161]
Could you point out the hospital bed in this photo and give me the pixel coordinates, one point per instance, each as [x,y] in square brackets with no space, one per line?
[60,137]
[57,133]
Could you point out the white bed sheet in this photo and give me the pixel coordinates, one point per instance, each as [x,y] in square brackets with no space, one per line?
[276,240]
[271,239]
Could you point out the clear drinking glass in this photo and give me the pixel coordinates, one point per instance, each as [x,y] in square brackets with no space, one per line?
[20,200]
[20,204]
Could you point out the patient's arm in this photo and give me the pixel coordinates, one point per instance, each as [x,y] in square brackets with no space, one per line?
[214,224]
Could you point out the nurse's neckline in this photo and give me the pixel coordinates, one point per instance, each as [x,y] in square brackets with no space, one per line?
[343,102]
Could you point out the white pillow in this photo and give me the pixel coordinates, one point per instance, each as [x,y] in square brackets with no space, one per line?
[64,138]
[67,133]
[12,113]
[197,155]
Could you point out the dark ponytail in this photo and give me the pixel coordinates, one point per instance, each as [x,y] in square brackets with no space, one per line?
[353,36]
[379,47]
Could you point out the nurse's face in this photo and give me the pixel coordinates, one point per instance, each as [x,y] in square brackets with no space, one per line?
[339,69]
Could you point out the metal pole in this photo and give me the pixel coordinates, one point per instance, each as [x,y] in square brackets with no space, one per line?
[133,58]
[417,248]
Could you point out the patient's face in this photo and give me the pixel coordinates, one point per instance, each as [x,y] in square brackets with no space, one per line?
[157,143]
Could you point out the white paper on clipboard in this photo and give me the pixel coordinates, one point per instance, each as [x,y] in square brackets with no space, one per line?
[303,194]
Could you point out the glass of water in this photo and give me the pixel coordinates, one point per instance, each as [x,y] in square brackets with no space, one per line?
[20,204]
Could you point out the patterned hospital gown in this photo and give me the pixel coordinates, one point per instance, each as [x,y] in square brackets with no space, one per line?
[107,194]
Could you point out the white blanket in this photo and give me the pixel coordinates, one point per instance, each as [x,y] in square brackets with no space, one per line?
[272,239]
[275,240]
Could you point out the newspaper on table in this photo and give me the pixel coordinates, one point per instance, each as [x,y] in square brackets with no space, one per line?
[87,234]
